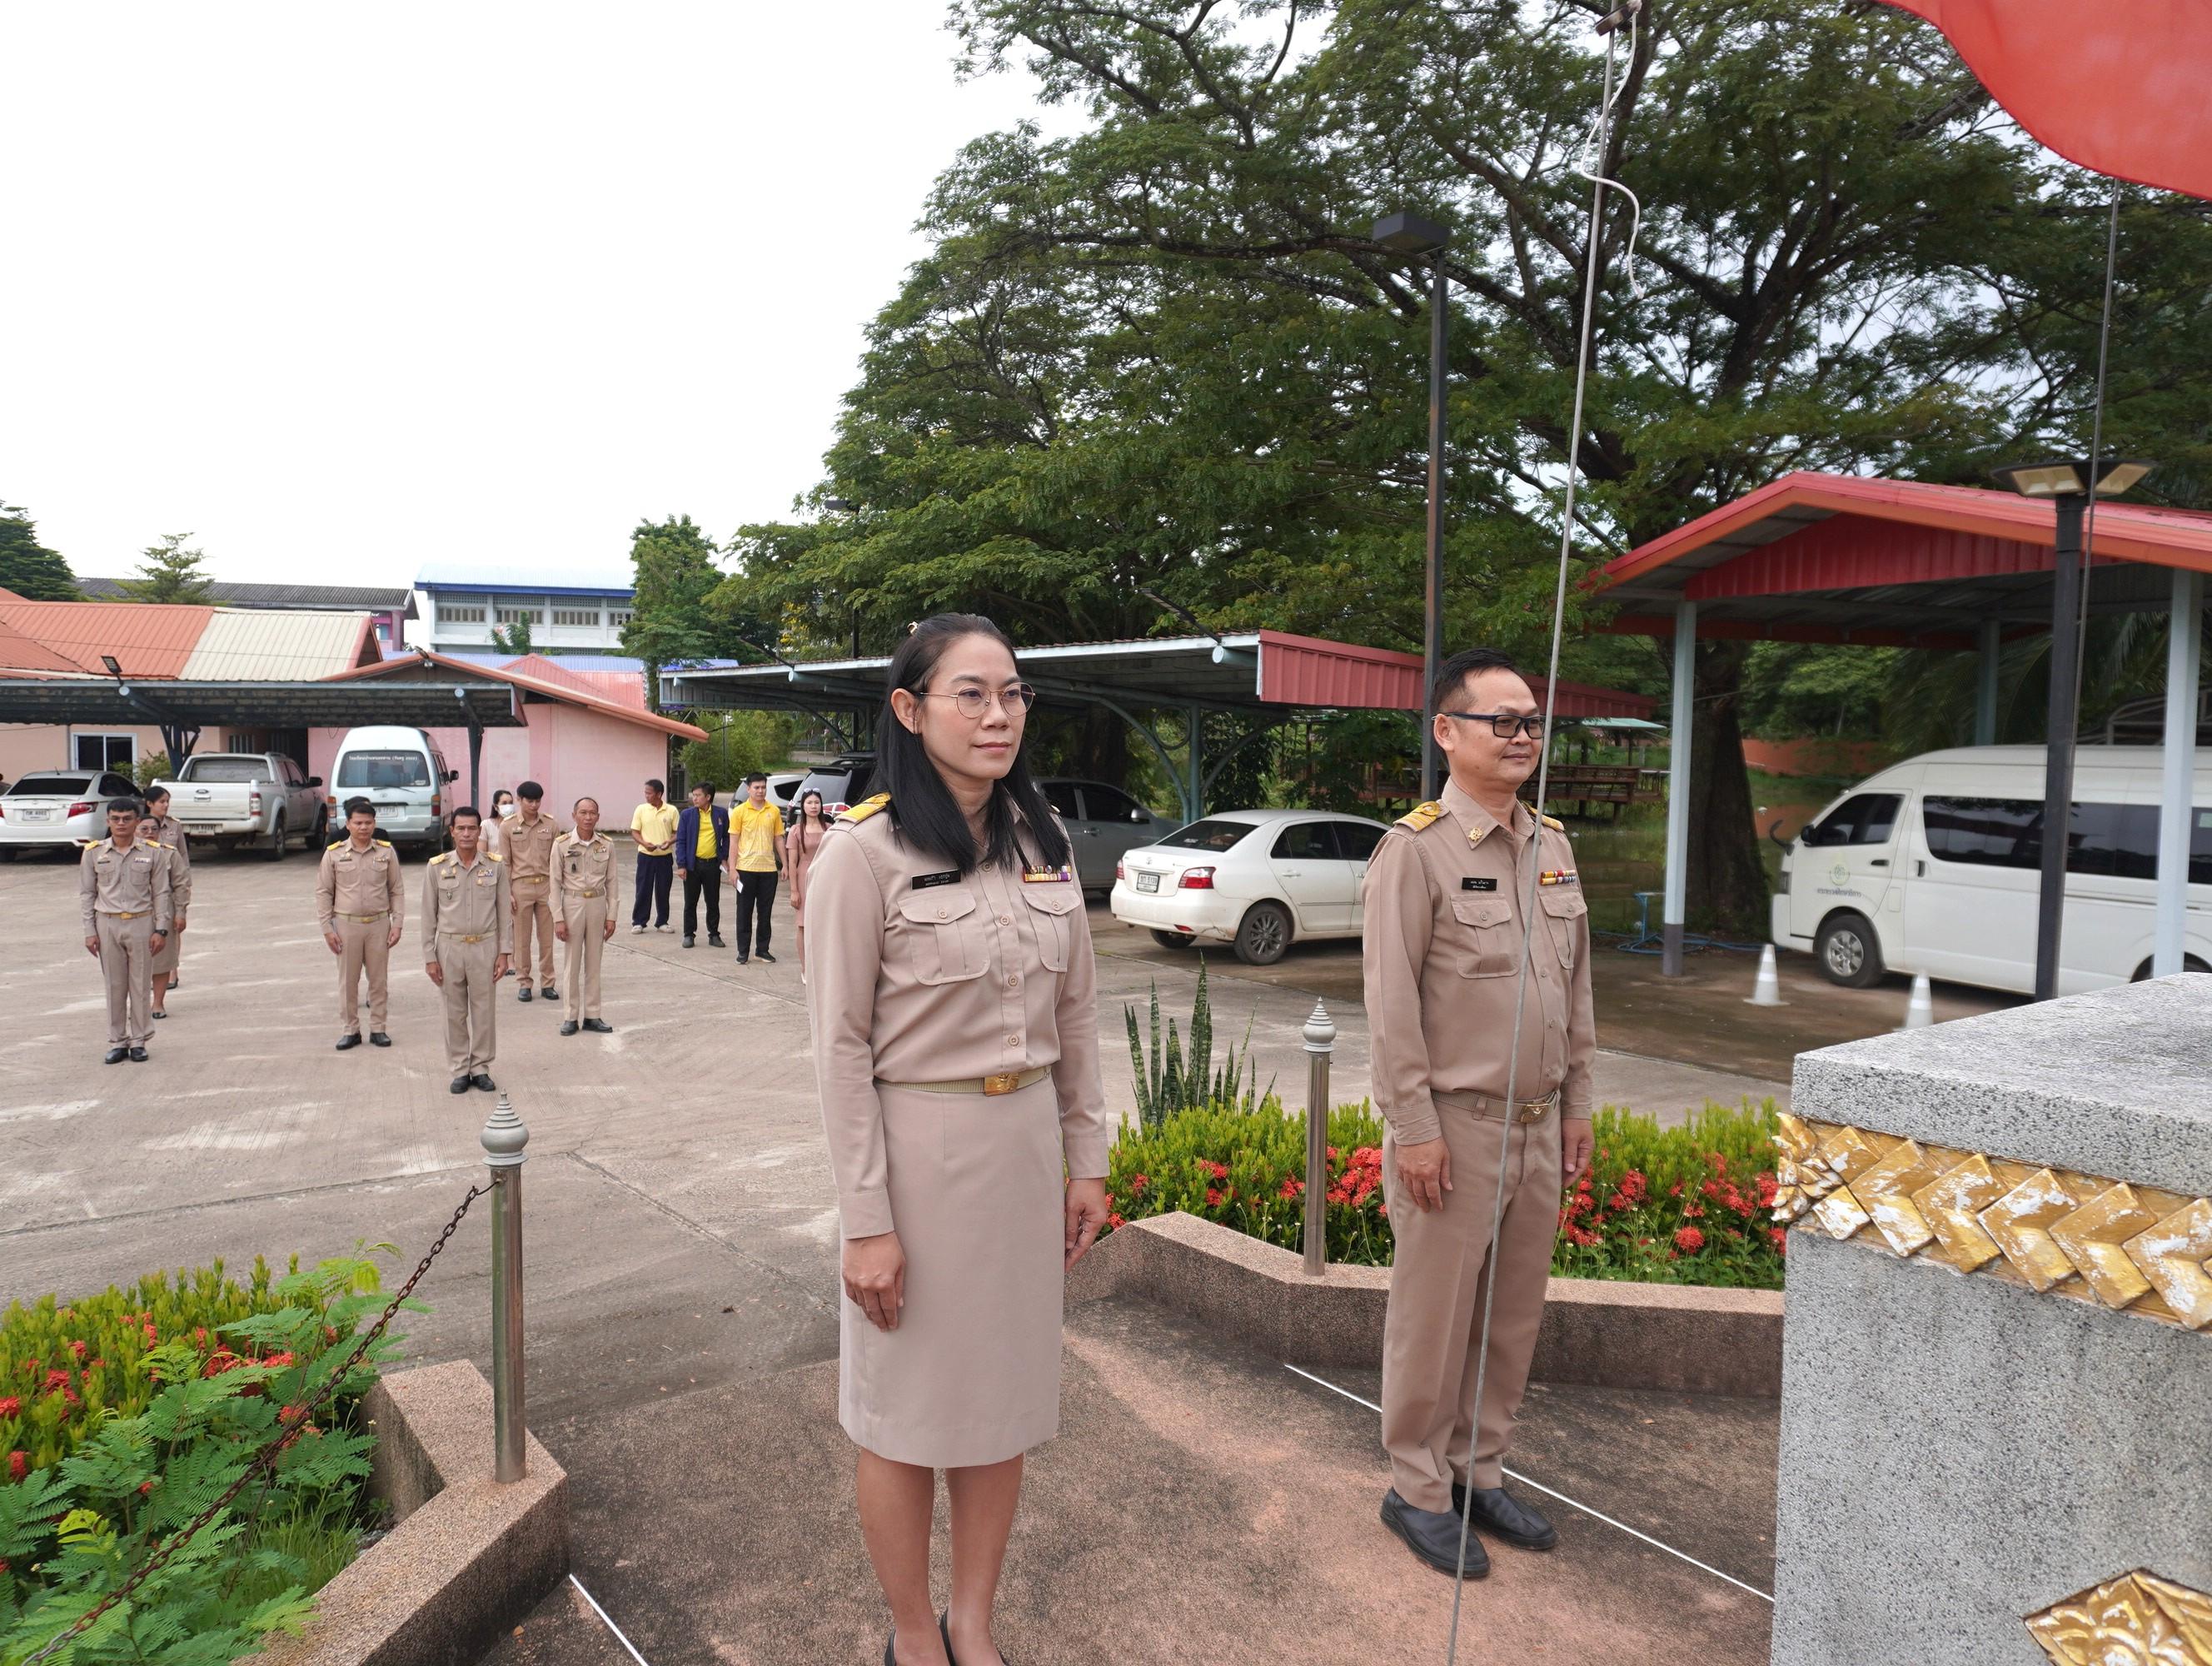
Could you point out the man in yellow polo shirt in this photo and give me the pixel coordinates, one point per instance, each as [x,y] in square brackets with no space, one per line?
[755,860]
[653,830]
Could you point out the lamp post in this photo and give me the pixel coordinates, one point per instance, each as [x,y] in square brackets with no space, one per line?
[2067,482]
[1411,235]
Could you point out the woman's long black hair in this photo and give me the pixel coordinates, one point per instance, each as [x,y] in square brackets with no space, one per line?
[922,807]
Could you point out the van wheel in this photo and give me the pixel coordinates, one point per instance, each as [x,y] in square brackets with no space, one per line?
[1849,952]
[279,842]
[1174,940]
[2190,963]
[1263,935]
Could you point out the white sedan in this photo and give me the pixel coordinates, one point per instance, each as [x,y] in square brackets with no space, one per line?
[1256,880]
[58,809]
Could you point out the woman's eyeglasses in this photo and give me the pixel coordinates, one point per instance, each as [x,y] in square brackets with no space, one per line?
[1505,724]
[974,703]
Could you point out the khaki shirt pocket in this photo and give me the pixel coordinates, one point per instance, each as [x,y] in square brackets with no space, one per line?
[1049,908]
[1483,936]
[1564,907]
[937,933]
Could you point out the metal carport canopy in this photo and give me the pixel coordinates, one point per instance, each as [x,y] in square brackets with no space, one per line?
[1260,673]
[196,705]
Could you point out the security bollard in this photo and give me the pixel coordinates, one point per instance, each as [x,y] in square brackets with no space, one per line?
[504,1137]
[1321,1043]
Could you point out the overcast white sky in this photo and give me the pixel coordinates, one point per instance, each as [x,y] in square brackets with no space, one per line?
[342,291]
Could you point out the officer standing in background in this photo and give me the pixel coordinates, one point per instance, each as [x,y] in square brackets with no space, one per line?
[527,838]
[584,911]
[160,827]
[361,905]
[468,930]
[1445,935]
[124,892]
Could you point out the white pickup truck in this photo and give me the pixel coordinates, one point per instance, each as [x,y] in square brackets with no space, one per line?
[238,798]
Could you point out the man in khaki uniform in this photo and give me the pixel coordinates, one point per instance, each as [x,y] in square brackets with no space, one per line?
[1446,927]
[527,838]
[362,905]
[125,893]
[583,913]
[468,928]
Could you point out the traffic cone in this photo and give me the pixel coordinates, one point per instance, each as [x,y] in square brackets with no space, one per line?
[1920,1010]
[1767,991]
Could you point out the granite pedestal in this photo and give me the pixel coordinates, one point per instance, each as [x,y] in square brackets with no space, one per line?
[1996,1388]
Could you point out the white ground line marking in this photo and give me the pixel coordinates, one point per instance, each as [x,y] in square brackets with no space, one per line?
[1598,1515]
[607,1620]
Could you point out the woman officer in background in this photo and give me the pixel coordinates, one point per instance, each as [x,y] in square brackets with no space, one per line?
[159,826]
[956,1042]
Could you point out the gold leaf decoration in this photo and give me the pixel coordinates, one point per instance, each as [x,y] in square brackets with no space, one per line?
[2092,1237]
[1885,1192]
[1949,1205]
[2020,1222]
[2176,1255]
[2136,1619]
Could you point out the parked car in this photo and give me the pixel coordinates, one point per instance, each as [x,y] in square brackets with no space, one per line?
[843,782]
[1935,865]
[58,809]
[237,799]
[1256,879]
[400,771]
[1104,824]
[783,791]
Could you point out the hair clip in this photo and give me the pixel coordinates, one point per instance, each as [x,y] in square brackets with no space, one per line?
[913,625]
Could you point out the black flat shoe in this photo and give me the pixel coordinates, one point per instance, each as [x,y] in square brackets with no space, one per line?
[1433,1536]
[377,1039]
[483,1083]
[890,1650]
[744,960]
[945,1630]
[1501,1515]
[345,1042]
[690,941]
[157,1015]
[598,1026]
[137,1055]
[458,1085]
[116,1056]
[715,940]
[522,993]
[765,955]
[549,992]
[568,1026]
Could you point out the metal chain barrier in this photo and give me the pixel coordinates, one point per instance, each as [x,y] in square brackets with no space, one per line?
[265,1461]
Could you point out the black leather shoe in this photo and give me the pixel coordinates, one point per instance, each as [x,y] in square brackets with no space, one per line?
[549,992]
[137,1055]
[377,1039]
[483,1083]
[690,941]
[744,960]
[344,1042]
[458,1085]
[715,940]
[1433,1536]
[598,1026]
[768,957]
[523,994]
[116,1056]
[1498,1513]
[568,1026]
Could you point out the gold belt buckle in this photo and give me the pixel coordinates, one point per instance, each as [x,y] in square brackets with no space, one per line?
[588,893]
[138,913]
[1535,1110]
[1002,1084]
[478,938]
[365,919]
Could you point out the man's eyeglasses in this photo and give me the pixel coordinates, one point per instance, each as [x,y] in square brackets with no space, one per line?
[974,703]
[1505,724]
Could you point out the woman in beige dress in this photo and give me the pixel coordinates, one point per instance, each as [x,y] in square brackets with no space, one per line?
[956,1044]
[801,845]
[494,833]
[160,827]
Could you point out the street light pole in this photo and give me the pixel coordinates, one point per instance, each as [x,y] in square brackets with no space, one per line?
[2062,718]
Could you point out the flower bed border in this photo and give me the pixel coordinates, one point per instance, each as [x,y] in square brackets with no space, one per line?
[466,1557]
[1608,1333]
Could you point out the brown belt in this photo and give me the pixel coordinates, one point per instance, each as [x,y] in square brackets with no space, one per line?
[1531,1110]
[1011,1081]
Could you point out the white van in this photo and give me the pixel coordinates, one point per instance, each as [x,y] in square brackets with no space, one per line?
[403,774]
[1933,866]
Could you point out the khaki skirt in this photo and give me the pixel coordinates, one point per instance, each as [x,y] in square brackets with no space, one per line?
[971,1376]
[165,963]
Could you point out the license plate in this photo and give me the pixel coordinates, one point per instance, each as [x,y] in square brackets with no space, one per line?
[1148,882]
[36,815]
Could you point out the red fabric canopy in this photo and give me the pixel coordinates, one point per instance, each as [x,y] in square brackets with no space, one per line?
[2124,86]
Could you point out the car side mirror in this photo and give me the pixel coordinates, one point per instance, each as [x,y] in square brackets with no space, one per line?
[315,781]
[453,774]
[1139,817]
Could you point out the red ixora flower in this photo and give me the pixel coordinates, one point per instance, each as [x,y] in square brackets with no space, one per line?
[1213,1197]
[19,1465]
[1138,1182]
[1218,1170]
[1779,1237]
[1689,1240]
[11,1406]
[1116,1222]
[77,1348]
[1293,1187]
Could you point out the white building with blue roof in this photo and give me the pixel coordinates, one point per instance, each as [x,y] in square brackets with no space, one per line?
[458,605]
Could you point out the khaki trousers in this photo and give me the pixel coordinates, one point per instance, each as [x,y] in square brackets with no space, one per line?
[471,1037]
[366,945]
[1438,1279]
[126,966]
[532,911]
[587,920]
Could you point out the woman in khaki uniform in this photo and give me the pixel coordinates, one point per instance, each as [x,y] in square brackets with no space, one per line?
[956,1044]
[160,828]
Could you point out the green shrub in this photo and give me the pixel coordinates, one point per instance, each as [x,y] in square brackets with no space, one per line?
[1663,1206]
[145,1407]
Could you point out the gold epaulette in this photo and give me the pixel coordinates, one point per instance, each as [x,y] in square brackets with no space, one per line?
[334,844]
[387,843]
[865,808]
[494,855]
[1421,816]
[446,856]
[1556,826]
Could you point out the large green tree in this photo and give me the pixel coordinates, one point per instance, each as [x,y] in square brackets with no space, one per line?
[1163,356]
[27,566]
[674,567]
[168,572]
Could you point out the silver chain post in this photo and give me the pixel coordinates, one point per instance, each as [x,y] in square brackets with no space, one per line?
[1320,1044]
[504,1138]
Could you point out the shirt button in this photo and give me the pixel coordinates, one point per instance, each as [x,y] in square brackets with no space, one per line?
[940,914]
[1005,919]
[1014,980]
[1014,1041]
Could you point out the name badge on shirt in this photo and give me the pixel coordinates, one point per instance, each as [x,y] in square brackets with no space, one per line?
[1558,876]
[1473,884]
[1045,876]
[924,881]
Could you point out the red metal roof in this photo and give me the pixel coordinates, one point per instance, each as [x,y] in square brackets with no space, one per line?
[148,639]
[566,688]
[21,654]
[1305,670]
